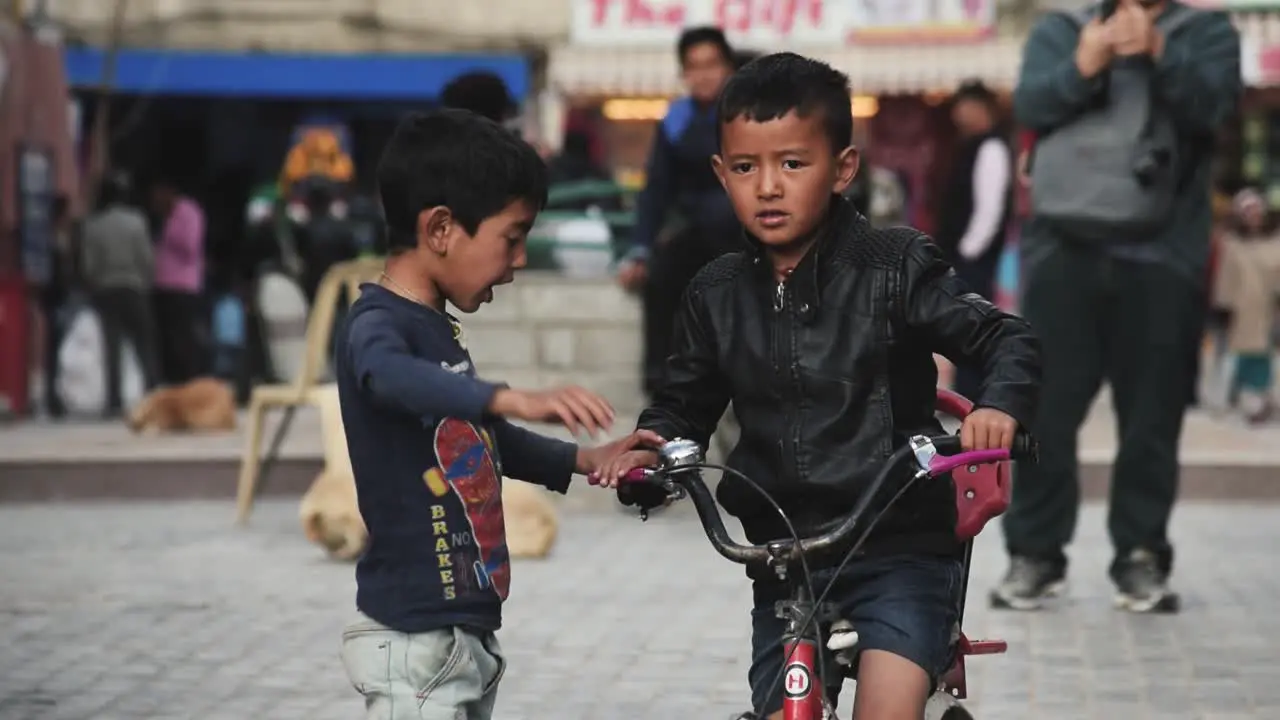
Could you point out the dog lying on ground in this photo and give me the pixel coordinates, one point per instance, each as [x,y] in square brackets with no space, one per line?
[202,405]
[329,513]
[531,519]
[330,516]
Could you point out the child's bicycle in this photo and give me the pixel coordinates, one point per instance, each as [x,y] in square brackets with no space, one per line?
[982,493]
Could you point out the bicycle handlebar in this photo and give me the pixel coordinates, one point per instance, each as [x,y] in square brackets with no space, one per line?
[934,456]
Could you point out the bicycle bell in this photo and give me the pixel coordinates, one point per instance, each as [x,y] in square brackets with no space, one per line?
[680,453]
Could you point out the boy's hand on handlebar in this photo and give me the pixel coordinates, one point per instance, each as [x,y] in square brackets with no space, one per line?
[612,472]
[576,408]
[592,461]
[987,429]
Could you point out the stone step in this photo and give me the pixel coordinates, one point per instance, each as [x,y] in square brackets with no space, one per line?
[211,477]
[100,461]
[549,297]
[1222,458]
[546,330]
[592,347]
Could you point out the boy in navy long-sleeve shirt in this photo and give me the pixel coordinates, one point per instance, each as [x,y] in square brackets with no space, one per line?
[429,441]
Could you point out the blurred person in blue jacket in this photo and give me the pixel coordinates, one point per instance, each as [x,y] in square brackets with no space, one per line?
[679,179]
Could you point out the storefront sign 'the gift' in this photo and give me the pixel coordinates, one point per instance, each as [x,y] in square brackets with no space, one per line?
[763,23]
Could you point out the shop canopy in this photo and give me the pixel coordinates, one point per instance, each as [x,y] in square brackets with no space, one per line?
[614,71]
[281,75]
[908,69]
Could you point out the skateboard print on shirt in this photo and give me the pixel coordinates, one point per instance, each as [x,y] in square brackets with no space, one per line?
[467,465]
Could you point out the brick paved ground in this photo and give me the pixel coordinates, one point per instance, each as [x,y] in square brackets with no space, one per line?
[124,612]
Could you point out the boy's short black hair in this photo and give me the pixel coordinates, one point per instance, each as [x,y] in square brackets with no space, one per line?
[481,92]
[703,35]
[773,85]
[459,160]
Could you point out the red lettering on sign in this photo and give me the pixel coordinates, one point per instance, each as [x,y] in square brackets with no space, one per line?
[1269,61]
[795,682]
[778,16]
[673,14]
[638,13]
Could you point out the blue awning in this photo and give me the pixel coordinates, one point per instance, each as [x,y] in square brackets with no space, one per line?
[295,76]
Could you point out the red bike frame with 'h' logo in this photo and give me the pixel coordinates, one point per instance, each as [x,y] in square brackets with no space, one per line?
[981,480]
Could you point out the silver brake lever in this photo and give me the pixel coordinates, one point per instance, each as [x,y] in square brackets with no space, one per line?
[925,453]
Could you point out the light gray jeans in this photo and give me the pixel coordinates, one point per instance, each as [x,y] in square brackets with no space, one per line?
[446,674]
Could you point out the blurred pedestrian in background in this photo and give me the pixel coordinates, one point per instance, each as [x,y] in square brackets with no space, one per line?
[679,179]
[977,202]
[179,284]
[54,295]
[1246,289]
[119,268]
[326,238]
[1125,108]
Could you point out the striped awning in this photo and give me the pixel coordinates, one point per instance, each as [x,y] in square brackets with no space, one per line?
[646,72]
[928,68]
[1263,27]
[650,71]
[613,71]
[1259,48]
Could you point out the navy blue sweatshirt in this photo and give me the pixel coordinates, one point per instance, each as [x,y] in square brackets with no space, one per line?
[428,464]
[679,176]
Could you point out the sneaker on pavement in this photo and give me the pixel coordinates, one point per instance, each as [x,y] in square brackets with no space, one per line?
[1141,586]
[1028,582]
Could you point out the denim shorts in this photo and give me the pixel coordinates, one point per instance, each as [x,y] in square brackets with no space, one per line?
[445,674]
[907,605]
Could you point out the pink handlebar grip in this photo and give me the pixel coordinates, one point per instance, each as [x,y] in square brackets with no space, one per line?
[942,464]
[636,475]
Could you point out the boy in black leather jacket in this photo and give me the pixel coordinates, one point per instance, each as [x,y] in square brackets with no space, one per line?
[823,339]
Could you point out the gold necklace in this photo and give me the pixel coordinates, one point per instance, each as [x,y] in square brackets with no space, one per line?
[453,323]
[405,291]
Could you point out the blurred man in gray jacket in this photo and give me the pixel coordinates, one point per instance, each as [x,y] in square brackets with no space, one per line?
[1116,305]
[118,267]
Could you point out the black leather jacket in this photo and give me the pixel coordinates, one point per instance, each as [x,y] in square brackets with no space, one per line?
[831,371]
